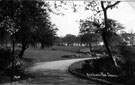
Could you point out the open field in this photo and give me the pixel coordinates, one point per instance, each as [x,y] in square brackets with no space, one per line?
[48,54]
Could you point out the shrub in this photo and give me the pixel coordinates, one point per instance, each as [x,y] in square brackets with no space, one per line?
[105,64]
[5,59]
[6,67]
[128,55]
[100,50]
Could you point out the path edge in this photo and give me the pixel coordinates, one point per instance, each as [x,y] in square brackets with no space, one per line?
[77,74]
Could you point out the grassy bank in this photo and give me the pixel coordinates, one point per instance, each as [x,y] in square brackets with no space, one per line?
[124,80]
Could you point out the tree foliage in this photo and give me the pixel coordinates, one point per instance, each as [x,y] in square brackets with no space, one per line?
[88,33]
[90,38]
[70,39]
[114,27]
[27,21]
[128,38]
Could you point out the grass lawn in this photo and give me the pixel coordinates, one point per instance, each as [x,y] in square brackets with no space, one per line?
[48,54]
[69,48]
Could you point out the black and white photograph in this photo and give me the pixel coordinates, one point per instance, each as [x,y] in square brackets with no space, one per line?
[67,42]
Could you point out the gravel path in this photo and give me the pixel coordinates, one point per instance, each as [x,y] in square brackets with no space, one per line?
[55,73]
[55,65]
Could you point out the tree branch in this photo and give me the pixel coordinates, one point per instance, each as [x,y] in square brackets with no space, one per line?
[102,5]
[109,6]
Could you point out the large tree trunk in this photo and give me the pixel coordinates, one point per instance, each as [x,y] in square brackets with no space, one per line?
[13,57]
[22,52]
[106,44]
[24,47]
[23,42]
[42,45]
[90,47]
[108,48]
[104,34]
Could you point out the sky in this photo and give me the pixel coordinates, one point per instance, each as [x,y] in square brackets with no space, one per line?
[68,23]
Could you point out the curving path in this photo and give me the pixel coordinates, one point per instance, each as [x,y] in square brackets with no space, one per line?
[55,65]
[55,73]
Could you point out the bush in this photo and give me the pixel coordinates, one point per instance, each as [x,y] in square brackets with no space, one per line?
[19,72]
[5,59]
[128,55]
[105,65]
[100,50]
[6,67]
